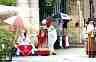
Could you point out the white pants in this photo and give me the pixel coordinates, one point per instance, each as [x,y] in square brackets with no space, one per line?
[51,44]
[52,37]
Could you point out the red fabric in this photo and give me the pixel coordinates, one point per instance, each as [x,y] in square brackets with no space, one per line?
[19,23]
[42,39]
[25,49]
[43,52]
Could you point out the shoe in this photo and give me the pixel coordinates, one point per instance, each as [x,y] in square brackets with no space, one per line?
[53,53]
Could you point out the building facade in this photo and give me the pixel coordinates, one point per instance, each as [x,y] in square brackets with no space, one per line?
[74,8]
[89,10]
[52,7]
[40,9]
[76,11]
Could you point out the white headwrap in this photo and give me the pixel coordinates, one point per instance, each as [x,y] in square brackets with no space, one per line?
[44,21]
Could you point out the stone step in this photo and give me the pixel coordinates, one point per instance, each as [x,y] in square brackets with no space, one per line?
[76,45]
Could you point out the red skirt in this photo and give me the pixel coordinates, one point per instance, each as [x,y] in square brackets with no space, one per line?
[42,39]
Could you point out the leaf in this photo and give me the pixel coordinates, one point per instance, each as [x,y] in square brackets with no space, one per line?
[8,2]
[6,38]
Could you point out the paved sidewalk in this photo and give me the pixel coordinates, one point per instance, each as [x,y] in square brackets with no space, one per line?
[63,55]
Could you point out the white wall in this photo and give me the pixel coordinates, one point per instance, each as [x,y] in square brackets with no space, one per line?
[25,12]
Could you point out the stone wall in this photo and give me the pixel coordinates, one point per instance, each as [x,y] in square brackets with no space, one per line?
[77,17]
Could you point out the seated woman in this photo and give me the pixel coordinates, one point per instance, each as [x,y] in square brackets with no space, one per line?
[42,39]
[24,38]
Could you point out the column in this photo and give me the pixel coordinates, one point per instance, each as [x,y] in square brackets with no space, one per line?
[27,9]
[86,9]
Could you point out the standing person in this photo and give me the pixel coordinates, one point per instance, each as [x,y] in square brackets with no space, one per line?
[48,24]
[90,29]
[52,37]
[52,34]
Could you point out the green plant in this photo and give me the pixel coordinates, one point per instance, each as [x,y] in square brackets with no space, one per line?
[6,41]
[8,2]
[6,38]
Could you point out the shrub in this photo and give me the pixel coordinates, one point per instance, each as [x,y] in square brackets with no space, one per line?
[6,38]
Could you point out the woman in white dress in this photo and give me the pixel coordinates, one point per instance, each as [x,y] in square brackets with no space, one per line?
[52,34]
[52,37]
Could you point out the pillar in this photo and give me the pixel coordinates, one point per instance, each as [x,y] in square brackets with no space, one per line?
[28,10]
